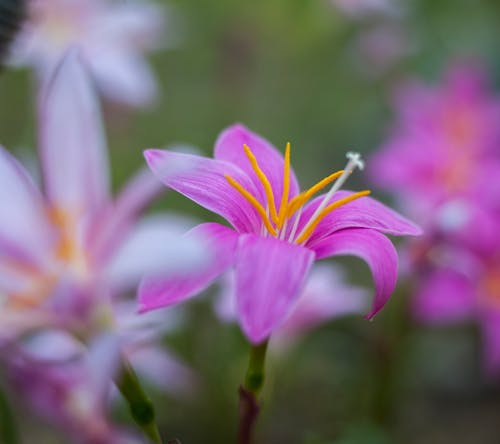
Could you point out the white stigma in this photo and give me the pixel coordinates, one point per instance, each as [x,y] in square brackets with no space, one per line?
[355,161]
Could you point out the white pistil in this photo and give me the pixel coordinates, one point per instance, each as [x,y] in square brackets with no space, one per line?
[354,162]
[291,238]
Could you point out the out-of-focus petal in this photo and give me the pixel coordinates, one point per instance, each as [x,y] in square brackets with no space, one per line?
[123,76]
[326,296]
[220,244]
[24,227]
[375,249]
[203,180]
[364,212]
[229,147]
[74,158]
[106,233]
[444,296]
[156,246]
[270,274]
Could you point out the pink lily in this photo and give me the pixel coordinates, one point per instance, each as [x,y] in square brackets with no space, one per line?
[276,232]
[66,251]
[111,35]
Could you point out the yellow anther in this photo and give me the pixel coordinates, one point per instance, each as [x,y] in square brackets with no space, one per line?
[252,201]
[326,211]
[286,188]
[301,199]
[265,182]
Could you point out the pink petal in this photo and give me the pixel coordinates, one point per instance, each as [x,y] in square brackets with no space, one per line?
[75,164]
[108,232]
[155,292]
[154,247]
[229,147]
[270,274]
[364,212]
[375,249]
[25,232]
[443,297]
[203,180]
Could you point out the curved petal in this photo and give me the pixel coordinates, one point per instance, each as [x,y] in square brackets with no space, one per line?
[155,292]
[25,232]
[203,180]
[364,212]
[229,147]
[270,274]
[154,247]
[443,297]
[107,232]
[375,249]
[73,153]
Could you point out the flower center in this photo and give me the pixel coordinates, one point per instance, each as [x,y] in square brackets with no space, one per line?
[276,222]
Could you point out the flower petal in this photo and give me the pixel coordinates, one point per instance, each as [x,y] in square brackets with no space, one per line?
[270,274]
[155,292]
[229,147]
[107,232]
[203,180]
[154,247]
[364,212]
[375,249]
[446,296]
[21,206]
[75,164]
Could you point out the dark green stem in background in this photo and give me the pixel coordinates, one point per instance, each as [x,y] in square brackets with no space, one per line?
[8,431]
[249,406]
[141,407]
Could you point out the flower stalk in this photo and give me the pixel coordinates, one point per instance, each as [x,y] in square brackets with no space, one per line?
[249,406]
[140,405]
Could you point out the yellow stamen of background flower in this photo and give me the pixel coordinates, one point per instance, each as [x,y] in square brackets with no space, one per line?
[252,201]
[286,188]
[265,182]
[302,198]
[326,211]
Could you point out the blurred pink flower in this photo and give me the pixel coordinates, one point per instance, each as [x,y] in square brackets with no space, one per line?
[459,284]
[442,157]
[65,252]
[325,296]
[276,234]
[112,36]
[70,387]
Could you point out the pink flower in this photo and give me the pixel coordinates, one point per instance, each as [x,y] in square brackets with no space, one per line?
[66,251]
[112,36]
[276,234]
[70,387]
[457,284]
[442,156]
[325,296]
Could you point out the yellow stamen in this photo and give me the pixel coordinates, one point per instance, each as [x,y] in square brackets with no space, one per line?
[326,211]
[286,188]
[265,182]
[253,201]
[301,199]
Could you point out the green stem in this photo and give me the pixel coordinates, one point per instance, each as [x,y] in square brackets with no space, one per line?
[249,407]
[141,407]
[254,378]
[8,431]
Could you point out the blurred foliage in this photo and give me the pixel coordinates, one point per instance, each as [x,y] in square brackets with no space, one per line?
[291,70]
